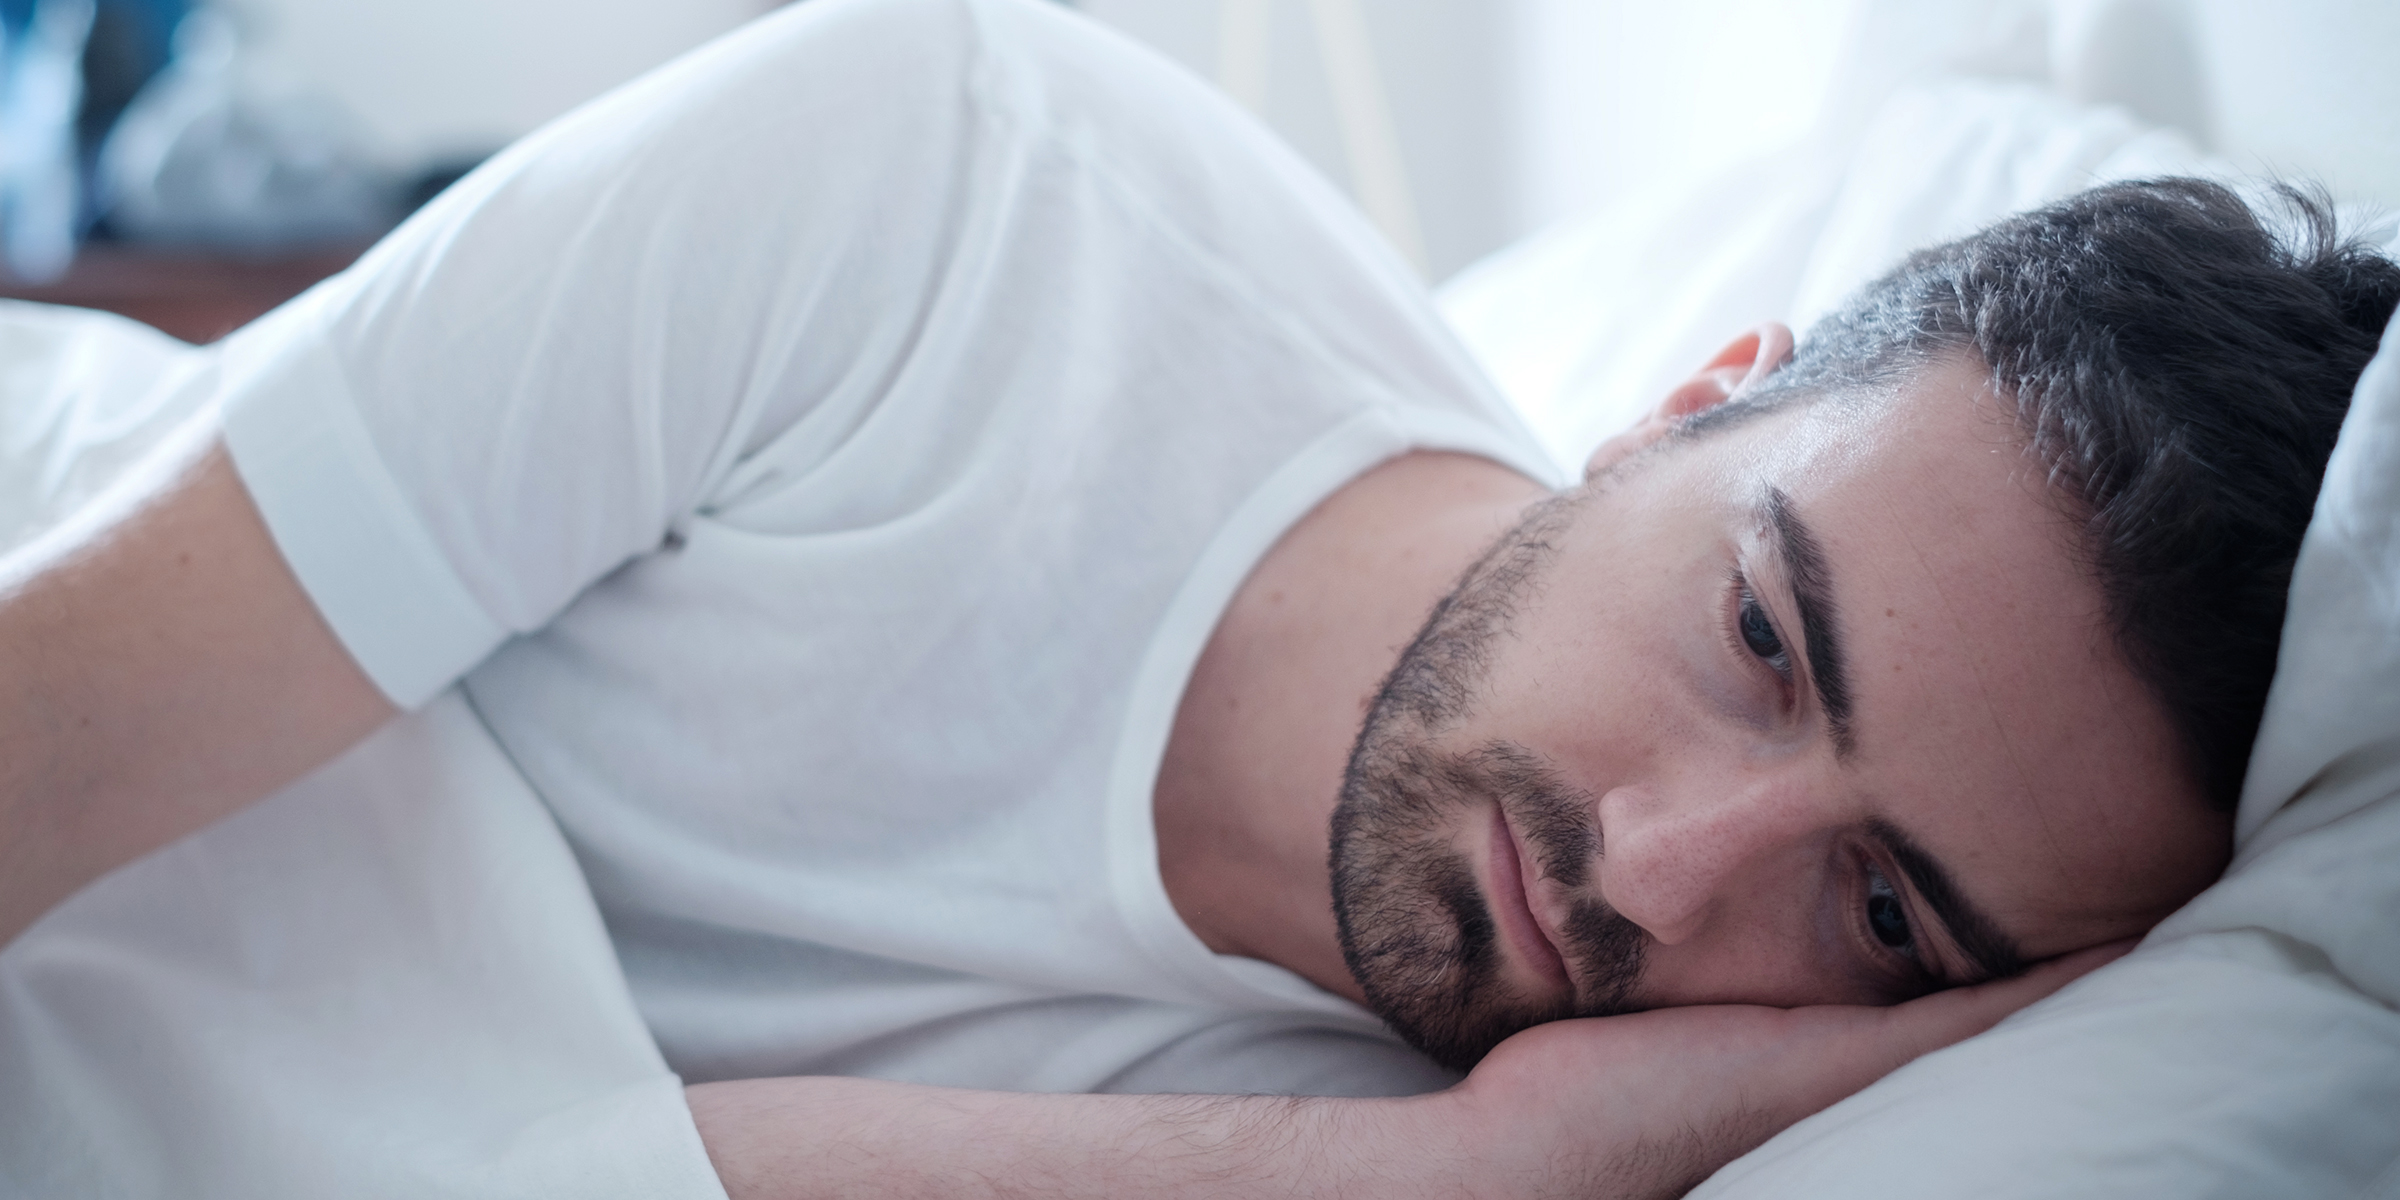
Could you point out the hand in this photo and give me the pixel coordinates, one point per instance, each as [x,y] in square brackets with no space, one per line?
[1650,1104]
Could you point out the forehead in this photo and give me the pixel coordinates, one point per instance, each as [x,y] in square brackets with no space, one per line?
[1994,717]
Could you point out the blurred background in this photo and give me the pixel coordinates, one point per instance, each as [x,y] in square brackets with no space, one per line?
[189,161]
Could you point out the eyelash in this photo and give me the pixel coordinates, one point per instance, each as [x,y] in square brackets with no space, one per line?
[1880,887]
[1746,602]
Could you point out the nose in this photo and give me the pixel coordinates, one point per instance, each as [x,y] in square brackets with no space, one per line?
[1673,858]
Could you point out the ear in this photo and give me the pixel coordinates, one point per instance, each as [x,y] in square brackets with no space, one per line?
[1739,367]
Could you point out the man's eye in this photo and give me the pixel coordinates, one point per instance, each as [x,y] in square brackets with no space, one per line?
[1758,633]
[1887,919]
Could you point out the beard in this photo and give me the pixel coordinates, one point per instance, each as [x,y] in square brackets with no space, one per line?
[1415,928]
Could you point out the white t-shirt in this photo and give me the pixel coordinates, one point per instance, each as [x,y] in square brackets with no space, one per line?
[820,464]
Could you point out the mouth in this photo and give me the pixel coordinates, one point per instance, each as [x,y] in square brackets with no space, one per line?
[1512,906]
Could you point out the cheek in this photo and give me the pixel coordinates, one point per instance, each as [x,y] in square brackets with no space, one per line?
[1611,653]
[1597,677]
[1563,657]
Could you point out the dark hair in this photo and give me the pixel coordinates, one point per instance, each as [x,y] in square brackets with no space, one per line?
[2182,370]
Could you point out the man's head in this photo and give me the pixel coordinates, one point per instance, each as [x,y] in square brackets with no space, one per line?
[1936,651]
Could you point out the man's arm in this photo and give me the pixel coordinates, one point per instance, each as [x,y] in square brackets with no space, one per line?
[782,1139]
[1642,1105]
[160,667]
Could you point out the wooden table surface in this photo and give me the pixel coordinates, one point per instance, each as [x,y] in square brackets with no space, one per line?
[195,296]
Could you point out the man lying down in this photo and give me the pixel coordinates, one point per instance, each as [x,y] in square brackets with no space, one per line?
[928,498]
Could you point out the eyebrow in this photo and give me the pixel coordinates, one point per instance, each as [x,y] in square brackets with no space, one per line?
[1820,625]
[1994,953]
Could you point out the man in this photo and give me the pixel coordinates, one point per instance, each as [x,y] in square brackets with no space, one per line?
[928,502]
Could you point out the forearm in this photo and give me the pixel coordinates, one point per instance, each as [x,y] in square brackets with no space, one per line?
[787,1139]
[159,668]
[1646,1105]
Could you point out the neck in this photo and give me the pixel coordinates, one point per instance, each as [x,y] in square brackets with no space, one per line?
[1254,765]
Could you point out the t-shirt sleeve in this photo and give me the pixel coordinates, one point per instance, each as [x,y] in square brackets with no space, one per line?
[540,375]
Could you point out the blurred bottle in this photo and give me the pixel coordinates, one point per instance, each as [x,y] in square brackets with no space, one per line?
[41,87]
[130,44]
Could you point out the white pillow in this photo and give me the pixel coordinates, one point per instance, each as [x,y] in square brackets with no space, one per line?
[1586,326]
[2249,1046]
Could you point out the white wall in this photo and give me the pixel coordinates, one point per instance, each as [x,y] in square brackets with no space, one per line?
[438,78]
[1613,93]
[1439,64]
[1505,114]
[1511,114]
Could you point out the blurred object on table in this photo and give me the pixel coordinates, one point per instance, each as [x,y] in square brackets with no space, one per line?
[194,296]
[143,124]
[41,85]
[202,157]
[131,41]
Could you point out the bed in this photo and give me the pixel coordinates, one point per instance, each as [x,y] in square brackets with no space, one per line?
[444,1015]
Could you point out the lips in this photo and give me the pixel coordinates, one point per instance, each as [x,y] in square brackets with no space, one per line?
[1512,906]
